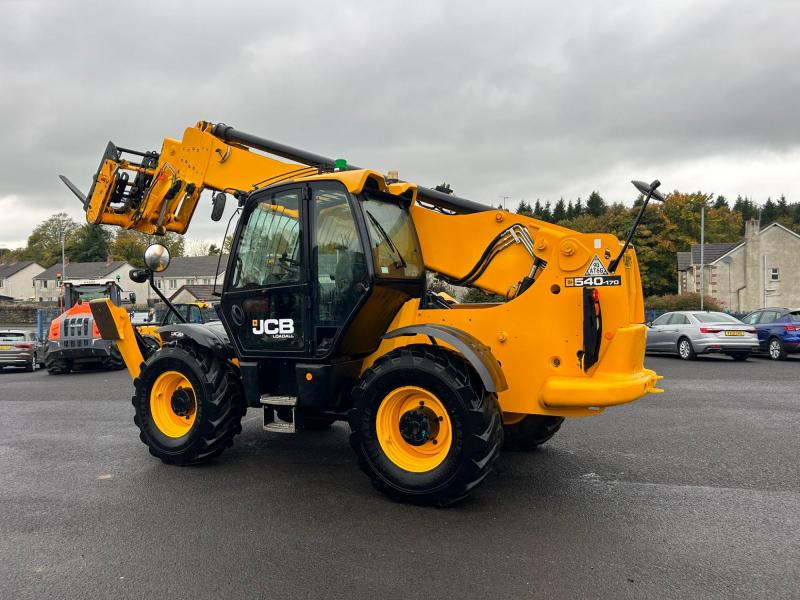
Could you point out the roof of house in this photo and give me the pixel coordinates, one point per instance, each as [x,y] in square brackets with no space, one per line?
[711,252]
[11,268]
[194,266]
[201,292]
[85,270]
[684,260]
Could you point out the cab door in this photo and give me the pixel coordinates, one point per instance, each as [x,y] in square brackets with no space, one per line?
[266,305]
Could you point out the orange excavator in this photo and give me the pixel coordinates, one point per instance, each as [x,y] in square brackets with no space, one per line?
[73,337]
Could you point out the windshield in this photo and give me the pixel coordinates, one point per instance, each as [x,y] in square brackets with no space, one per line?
[393,240]
[11,335]
[715,317]
[90,292]
[794,316]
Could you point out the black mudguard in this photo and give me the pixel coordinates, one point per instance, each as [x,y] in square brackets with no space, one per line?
[211,336]
[476,352]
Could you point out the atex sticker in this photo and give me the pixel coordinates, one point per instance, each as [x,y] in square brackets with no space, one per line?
[596,267]
[596,275]
[275,328]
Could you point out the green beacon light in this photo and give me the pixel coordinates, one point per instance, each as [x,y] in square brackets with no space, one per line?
[340,164]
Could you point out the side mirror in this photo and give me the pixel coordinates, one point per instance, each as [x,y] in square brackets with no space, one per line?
[649,324]
[139,275]
[156,258]
[132,297]
[218,201]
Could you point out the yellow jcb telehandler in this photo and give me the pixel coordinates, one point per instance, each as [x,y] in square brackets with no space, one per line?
[325,314]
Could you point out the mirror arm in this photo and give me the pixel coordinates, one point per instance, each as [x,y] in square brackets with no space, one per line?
[615,263]
[164,299]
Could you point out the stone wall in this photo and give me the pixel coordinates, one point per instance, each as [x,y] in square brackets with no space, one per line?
[20,314]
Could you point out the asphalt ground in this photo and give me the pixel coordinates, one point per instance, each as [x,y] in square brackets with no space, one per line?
[694,493]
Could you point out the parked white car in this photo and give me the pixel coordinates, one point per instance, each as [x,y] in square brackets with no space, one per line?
[688,333]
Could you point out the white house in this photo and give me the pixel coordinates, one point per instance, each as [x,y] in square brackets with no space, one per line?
[16,279]
[48,282]
[191,271]
[759,271]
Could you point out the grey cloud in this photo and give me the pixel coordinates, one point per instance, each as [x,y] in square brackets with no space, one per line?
[529,99]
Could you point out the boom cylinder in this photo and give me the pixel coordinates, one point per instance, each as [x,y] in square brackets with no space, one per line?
[426,195]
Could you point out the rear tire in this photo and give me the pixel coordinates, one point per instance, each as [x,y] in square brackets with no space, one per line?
[31,366]
[740,356]
[113,362]
[776,349]
[461,444]
[685,349]
[530,432]
[213,411]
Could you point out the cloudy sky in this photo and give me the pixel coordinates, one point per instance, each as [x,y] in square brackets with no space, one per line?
[523,99]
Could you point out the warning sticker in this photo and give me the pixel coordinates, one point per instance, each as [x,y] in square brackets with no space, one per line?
[596,268]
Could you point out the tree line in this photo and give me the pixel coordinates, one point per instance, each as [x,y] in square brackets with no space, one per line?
[666,228]
[87,243]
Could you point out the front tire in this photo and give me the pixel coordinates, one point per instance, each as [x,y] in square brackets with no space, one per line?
[527,432]
[189,405]
[686,350]
[776,349]
[423,427]
[56,365]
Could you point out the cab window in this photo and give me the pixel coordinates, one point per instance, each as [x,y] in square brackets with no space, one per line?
[393,239]
[269,249]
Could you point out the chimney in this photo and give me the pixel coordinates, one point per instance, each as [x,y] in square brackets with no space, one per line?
[753,268]
[751,229]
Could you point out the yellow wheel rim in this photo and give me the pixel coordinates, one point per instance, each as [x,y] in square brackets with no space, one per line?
[173,404]
[513,418]
[414,429]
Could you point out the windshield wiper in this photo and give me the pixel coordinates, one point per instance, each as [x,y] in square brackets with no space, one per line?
[402,264]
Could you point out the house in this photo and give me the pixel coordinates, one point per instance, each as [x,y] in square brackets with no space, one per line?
[758,271]
[195,293]
[190,271]
[16,279]
[48,283]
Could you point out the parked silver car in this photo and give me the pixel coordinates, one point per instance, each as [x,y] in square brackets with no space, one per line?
[19,348]
[688,333]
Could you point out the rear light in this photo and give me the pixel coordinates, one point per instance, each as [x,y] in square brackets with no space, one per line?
[751,330]
[709,330]
[788,328]
[596,300]
[24,346]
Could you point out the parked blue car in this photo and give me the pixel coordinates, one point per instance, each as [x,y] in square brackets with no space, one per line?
[778,330]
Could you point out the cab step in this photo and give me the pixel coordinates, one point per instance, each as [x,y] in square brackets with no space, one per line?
[273,421]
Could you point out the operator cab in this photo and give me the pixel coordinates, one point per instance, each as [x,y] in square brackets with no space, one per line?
[317,273]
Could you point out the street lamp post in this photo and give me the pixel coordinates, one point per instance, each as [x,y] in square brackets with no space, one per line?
[702,254]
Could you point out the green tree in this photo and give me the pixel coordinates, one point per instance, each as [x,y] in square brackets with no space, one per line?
[44,242]
[90,243]
[547,214]
[523,208]
[560,211]
[130,245]
[595,205]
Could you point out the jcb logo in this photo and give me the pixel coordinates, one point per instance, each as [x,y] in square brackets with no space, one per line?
[280,328]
